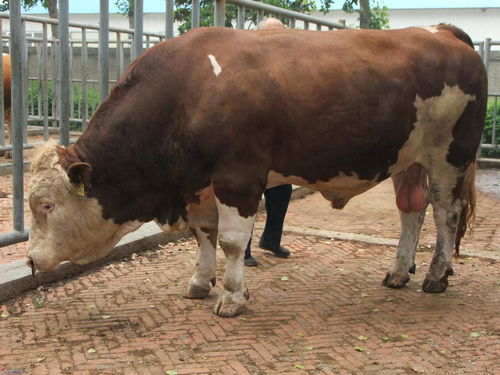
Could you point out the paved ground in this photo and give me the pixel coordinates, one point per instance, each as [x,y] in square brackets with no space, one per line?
[322,311]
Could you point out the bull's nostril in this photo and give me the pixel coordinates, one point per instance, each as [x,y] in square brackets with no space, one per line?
[31,263]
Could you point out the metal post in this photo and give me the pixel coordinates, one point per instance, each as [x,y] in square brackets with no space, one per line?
[306,25]
[18,63]
[24,82]
[138,27]
[220,12]
[2,109]
[486,56]
[195,14]
[241,16]
[318,27]
[39,58]
[119,55]
[494,125]
[103,54]
[45,83]
[291,23]
[85,105]
[169,19]
[64,71]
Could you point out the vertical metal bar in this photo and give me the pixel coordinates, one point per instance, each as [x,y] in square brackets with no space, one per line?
[2,109]
[45,83]
[260,14]
[494,127]
[85,105]
[138,27]
[24,81]
[17,53]
[169,19]
[64,71]
[103,52]
[291,23]
[55,83]
[220,12]
[148,41]
[241,16]
[318,27]
[195,14]
[71,88]
[486,56]
[306,25]
[40,78]
[119,55]
[481,50]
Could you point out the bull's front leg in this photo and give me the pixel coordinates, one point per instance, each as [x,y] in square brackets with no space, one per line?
[204,273]
[234,233]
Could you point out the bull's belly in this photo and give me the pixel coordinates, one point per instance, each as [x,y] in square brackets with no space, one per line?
[339,190]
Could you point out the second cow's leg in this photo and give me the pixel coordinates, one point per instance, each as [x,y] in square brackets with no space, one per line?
[204,274]
[234,233]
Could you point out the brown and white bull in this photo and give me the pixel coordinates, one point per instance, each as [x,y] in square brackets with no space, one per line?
[217,114]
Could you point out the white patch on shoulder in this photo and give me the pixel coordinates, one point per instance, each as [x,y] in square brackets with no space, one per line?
[431,29]
[215,65]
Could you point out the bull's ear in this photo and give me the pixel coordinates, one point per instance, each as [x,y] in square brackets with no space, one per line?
[80,173]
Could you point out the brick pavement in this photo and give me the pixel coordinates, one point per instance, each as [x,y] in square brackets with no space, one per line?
[332,316]
[130,317]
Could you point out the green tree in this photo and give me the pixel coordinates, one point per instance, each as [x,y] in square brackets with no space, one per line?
[50,5]
[375,17]
[126,7]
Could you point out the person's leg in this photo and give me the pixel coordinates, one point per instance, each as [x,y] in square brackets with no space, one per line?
[277,200]
[249,259]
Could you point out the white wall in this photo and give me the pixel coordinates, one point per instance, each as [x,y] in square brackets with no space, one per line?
[478,23]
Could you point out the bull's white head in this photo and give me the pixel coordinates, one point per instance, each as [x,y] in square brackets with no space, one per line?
[65,224]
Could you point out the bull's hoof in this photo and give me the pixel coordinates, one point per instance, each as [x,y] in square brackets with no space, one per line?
[196,292]
[395,280]
[437,286]
[231,304]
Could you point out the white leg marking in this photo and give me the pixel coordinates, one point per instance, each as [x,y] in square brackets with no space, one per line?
[204,272]
[234,233]
[411,223]
[215,65]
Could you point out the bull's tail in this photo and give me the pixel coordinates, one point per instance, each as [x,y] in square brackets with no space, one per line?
[468,197]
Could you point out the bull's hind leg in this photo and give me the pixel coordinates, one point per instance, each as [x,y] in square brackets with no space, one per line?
[451,193]
[399,274]
[234,232]
[410,189]
[204,273]
[446,219]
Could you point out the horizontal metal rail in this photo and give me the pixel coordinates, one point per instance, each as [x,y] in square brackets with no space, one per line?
[285,13]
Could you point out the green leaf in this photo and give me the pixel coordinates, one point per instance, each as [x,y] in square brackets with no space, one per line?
[362,338]
[359,348]
[300,367]
[475,334]
[284,278]
[364,295]
[385,338]
[461,303]
[5,314]
[171,372]
[309,347]
[105,317]
[91,351]
[90,306]
[404,337]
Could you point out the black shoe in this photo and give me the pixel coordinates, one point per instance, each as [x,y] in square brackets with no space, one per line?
[281,252]
[250,262]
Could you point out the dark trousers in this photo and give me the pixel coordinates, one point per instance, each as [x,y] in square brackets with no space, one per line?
[277,199]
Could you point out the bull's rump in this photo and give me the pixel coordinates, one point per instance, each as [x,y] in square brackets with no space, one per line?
[318,104]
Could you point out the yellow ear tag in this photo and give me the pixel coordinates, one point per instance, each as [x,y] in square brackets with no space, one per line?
[81,190]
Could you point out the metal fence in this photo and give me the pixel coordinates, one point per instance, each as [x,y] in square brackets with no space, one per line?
[58,83]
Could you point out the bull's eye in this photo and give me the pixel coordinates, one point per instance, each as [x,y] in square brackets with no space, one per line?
[46,207]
